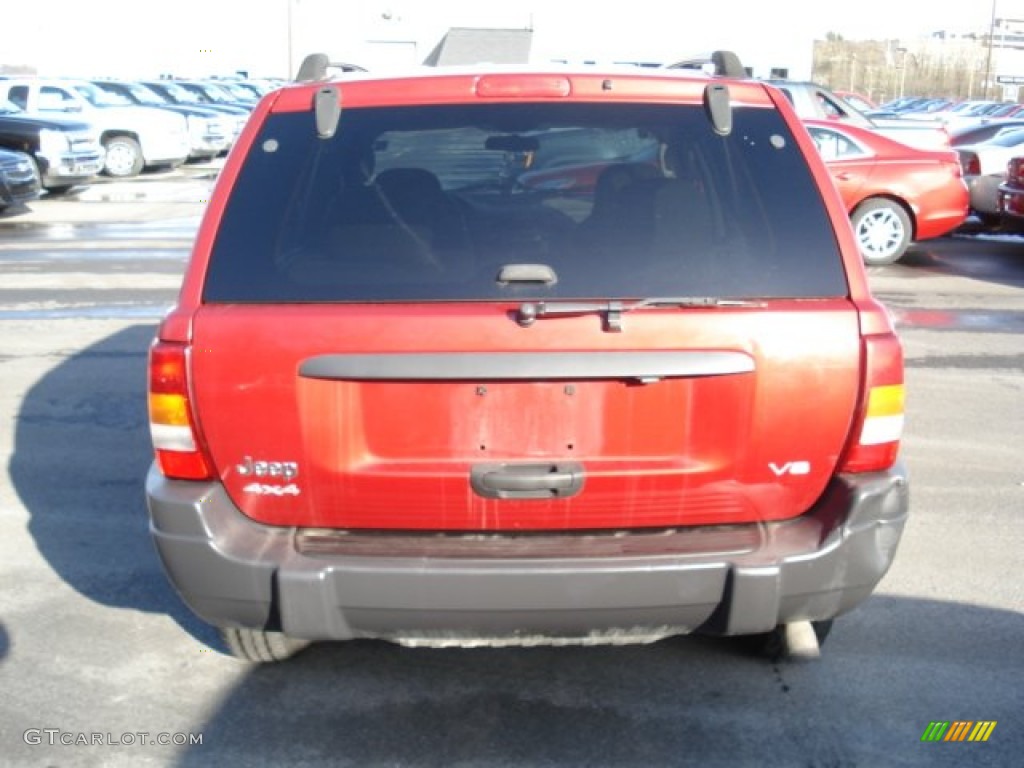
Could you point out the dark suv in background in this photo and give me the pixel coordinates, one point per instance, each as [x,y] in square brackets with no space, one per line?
[410,391]
[19,180]
[66,152]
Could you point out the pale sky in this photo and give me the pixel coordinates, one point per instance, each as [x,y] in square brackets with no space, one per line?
[128,38]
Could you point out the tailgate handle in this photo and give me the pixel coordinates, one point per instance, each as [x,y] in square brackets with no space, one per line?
[527,481]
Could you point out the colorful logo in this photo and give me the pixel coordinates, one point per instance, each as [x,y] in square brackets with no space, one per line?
[958,730]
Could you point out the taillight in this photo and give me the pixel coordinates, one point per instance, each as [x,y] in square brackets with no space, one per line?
[875,439]
[971,164]
[171,420]
[1014,170]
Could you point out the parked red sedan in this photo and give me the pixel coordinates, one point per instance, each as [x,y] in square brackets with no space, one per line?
[895,194]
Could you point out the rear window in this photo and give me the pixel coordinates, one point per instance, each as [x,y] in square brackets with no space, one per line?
[611,201]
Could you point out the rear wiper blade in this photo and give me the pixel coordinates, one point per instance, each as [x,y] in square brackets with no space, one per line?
[694,301]
[613,310]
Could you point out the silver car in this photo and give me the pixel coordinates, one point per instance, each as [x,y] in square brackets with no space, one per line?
[984,167]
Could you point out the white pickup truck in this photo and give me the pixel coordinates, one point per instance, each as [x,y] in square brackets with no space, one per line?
[133,137]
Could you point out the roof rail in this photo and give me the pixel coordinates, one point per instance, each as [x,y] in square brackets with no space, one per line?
[721,63]
[727,64]
[314,67]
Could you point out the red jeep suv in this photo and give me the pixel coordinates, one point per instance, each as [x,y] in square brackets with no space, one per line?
[415,390]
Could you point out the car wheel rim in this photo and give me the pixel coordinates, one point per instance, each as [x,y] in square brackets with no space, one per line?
[880,234]
[120,160]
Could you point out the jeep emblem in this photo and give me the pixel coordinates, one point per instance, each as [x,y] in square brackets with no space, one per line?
[286,470]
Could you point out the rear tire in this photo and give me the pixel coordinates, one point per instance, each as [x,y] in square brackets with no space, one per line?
[883,231]
[259,646]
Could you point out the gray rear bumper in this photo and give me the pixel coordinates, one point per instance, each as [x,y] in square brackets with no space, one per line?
[439,590]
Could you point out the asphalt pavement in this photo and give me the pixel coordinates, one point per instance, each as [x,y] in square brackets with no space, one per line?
[156,195]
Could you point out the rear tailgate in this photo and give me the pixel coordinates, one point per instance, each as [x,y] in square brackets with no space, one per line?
[383,416]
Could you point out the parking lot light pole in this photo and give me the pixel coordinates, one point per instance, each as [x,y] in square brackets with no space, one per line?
[288,71]
[903,69]
[988,58]
[293,18]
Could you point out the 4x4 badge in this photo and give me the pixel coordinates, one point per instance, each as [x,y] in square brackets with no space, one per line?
[262,489]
